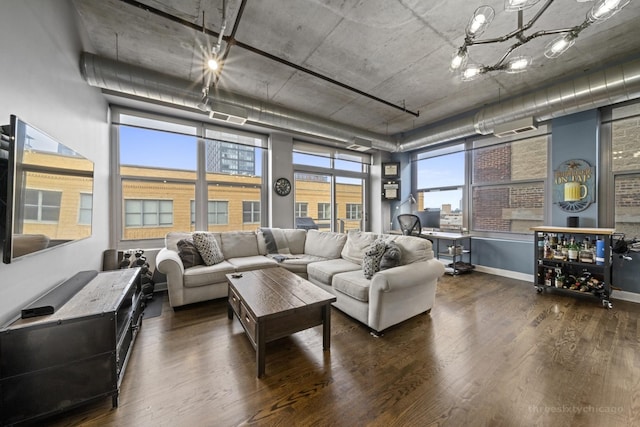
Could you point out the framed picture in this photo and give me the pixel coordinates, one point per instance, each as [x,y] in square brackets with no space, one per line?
[391,170]
[391,190]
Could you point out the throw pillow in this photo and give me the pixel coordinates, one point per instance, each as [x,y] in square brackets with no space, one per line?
[391,256]
[188,253]
[371,258]
[208,247]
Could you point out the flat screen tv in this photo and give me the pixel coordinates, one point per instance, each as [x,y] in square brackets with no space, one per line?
[429,218]
[47,192]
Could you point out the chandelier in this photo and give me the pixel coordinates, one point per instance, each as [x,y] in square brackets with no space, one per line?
[566,37]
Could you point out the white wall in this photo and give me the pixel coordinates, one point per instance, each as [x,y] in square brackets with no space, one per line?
[40,82]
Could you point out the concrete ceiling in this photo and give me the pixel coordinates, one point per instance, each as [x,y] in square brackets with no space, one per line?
[395,50]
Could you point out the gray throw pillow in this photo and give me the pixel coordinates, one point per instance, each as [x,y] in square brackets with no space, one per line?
[188,253]
[391,256]
[208,247]
[371,258]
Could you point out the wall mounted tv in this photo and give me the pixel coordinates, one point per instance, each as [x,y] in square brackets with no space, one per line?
[46,192]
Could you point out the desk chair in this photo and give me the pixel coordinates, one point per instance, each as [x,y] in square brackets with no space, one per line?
[409,224]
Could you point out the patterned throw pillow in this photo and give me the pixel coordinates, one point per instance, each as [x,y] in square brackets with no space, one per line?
[391,256]
[371,258]
[188,253]
[208,247]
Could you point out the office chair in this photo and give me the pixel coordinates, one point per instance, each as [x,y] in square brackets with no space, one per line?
[409,224]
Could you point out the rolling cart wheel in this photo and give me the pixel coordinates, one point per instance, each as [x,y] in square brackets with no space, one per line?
[607,304]
[539,289]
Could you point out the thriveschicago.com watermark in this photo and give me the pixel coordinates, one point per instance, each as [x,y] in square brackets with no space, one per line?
[588,409]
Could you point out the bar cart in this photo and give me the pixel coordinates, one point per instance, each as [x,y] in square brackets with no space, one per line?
[585,273]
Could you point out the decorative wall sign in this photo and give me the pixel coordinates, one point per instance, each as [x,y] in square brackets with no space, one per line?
[574,185]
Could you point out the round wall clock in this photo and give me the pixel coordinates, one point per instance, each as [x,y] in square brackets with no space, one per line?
[282,187]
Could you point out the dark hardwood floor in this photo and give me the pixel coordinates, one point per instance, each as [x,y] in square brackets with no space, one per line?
[491,352]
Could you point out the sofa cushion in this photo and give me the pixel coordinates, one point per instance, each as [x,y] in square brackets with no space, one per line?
[391,256]
[357,243]
[298,263]
[372,257]
[413,249]
[254,262]
[324,244]
[189,254]
[323,271]
[205,275]
[236,244]
[275,241]
[208,247]
[353,284]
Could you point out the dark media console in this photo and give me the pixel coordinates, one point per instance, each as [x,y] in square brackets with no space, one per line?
[55,362]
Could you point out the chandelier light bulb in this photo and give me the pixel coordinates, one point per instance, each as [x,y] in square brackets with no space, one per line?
[559,45]
[518,64]
[481,19]
[471,72]
[458,60]
[605,9]
[515,5]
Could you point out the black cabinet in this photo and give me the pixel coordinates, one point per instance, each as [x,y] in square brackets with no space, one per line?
[52,363]
[588,274]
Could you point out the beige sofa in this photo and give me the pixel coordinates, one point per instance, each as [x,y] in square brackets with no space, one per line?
[332,261]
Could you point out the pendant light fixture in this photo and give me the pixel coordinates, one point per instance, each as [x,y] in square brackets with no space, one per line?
[566,37]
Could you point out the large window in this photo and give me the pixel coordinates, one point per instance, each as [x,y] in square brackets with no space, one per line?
[162,159]
[440,182]
[625,163]
[331,182]
[508,182]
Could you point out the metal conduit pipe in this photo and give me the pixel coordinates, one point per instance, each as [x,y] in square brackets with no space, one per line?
[129,79]
[612,85]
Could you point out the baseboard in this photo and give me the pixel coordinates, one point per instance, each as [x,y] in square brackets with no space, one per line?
[505,273]
[625,296]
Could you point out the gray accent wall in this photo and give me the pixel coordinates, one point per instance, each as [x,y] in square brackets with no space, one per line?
[509,255]
[574,137]
[41,83]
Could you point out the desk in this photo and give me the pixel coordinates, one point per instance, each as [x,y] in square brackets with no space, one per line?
[450,239]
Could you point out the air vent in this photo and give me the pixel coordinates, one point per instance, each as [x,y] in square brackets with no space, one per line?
[360,144]
[229,114]
[515,127]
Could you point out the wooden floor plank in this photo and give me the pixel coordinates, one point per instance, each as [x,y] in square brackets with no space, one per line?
[491,352]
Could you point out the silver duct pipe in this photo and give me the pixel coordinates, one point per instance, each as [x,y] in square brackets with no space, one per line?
[124,78]
[601,88]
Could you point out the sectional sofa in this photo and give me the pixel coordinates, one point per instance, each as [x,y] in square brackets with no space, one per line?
[332,261]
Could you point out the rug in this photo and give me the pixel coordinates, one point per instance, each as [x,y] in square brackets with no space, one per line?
[153,307]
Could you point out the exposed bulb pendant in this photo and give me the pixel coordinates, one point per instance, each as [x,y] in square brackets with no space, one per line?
[471,72]
[559,45]
[605,9]
[515,5]
[481,19]
[518,64]
[458,60]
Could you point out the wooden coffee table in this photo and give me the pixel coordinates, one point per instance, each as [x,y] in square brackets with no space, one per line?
[273,303]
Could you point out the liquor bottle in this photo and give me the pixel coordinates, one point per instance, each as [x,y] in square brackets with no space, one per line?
[572,252]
